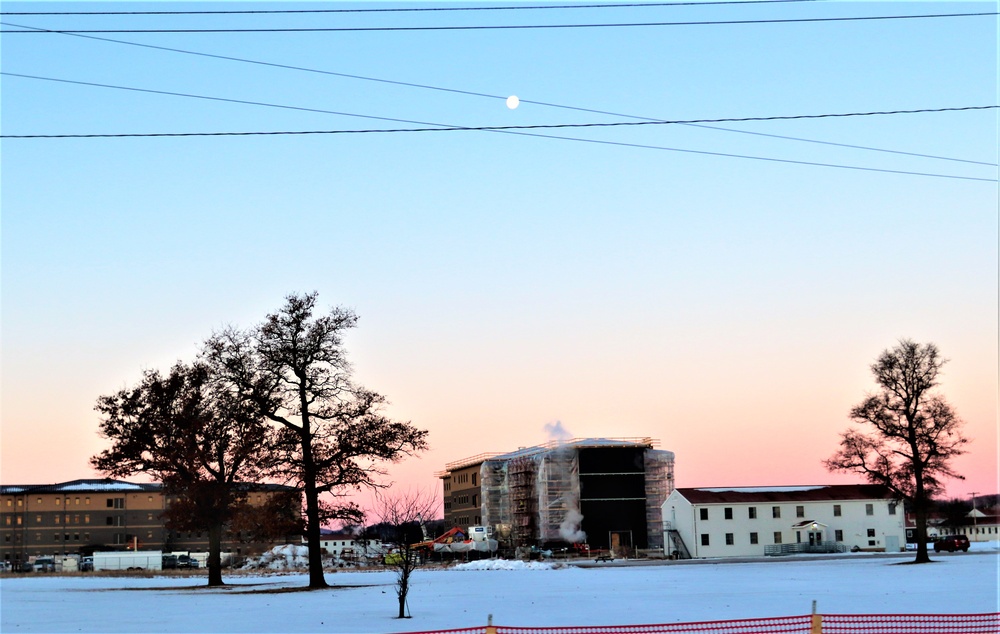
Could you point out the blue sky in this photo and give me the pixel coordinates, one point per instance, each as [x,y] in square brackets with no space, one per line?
[729,307]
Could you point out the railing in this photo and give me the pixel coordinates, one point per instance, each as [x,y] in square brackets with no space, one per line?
[804,547]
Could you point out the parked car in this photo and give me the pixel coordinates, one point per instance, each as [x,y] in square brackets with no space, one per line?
[186,561]
[45,564]
[87,564]
[951,543]
[169,562]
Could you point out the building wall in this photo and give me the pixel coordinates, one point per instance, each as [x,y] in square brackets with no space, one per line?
[63,523]
[463,497]
[885,524]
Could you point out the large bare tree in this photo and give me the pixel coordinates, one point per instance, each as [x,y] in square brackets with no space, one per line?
[294,369]
[906,434]
[201,443]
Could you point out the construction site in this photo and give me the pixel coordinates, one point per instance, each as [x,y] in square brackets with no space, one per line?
[588,494]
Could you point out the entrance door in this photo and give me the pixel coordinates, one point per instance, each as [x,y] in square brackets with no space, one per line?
[892,543]
[621,543]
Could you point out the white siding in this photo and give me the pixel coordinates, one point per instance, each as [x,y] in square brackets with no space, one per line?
[853,522]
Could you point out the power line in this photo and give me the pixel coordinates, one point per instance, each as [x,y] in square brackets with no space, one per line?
[544,136]
[549,126]
[500,129]
[483,27]
[414,9]
[463,92]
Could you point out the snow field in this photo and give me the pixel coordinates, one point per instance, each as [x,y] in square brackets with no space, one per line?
[516,594]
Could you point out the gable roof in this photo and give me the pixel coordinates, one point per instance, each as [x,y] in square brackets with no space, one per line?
[108,485]
[818,493]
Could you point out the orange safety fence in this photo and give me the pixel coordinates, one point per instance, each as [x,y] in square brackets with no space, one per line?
[987,623]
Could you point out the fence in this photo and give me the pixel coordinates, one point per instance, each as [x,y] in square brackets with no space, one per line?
[988,623]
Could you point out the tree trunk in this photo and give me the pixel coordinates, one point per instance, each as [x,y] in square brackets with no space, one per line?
[920,515]
[316,577]
[215,555]
[404,580]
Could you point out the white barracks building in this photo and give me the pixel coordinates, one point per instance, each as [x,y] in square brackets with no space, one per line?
[781,520]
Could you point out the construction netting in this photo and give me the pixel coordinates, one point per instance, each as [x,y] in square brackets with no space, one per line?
[659,466]
[988,623]
[535,498]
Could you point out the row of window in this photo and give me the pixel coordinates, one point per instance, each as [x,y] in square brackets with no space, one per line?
[465,499]
[776,538]
[466,520]
[800,511]
[463,478]
[111,520]
[112,503]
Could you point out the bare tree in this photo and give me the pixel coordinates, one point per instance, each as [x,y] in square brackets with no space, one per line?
[294,369]
[907,434]
[197,440]
[400,518]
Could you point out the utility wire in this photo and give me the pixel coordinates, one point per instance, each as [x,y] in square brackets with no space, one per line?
[544,136]
[474,94]
[484,27]
[501,129]
[413,9]
[551,126]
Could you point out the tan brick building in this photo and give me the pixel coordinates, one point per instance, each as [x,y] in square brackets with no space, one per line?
[81,516]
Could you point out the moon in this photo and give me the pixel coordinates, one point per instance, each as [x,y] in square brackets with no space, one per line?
[513,102]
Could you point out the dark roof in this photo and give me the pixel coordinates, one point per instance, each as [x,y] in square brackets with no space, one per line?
[816,493]
[107,485]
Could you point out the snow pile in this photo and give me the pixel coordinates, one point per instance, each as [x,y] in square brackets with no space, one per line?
[505,564]
[286,557]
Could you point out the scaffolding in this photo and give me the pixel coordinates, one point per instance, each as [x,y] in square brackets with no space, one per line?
[521,478]
[558,486]
[659,466]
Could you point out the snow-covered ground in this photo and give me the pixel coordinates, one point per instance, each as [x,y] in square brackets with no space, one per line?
[614,593]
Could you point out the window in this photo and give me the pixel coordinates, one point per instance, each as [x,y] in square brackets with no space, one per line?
[18,520]
[58,501]
[7,520]
[703,513]
[475,500]
[86,537]
[76,501]
[752,511]
[116,503]
[728,512]
[57,519]
[777,537]
[704,539]
[800,511]
[753,538]
[836,510]
[86,501]
[56,536]
[838,535]
[38,519]
[149,499]
[869,509]
[871,532]
[776,513]
[76,537]
[892,508]
[473,479]
[86,519]
[729,539]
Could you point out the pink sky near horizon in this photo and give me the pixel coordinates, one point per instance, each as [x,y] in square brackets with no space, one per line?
[751,434]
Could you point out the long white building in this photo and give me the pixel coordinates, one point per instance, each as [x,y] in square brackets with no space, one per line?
[755,521]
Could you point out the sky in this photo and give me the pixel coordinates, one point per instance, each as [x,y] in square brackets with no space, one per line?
[719,290]
[464,596]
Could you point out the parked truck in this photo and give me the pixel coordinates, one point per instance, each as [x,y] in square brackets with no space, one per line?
[128,560]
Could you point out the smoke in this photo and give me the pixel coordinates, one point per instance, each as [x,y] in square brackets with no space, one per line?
[558,469]
[570,528]
[556,431]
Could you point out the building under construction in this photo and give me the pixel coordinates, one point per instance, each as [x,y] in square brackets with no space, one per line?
[604,492]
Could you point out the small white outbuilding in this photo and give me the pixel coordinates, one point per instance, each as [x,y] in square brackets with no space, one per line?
[780,520]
